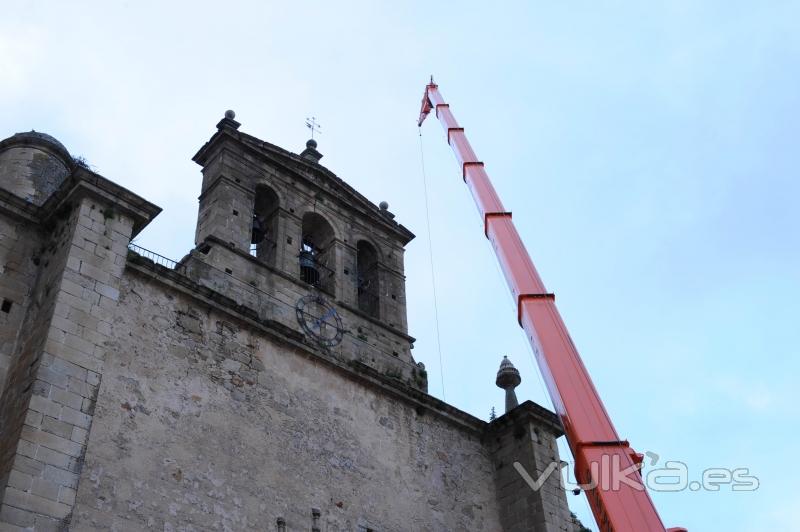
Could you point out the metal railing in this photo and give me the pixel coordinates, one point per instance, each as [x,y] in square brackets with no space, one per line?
[153,256]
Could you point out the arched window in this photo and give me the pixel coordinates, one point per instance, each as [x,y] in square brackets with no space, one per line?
[367,278]
[265,225]
[316,252]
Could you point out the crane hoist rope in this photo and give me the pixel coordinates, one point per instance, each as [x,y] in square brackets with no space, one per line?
[430,257]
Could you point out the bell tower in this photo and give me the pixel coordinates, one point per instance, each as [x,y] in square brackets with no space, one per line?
[283,227]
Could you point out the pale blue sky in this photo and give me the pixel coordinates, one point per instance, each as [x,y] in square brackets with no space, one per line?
[649,152]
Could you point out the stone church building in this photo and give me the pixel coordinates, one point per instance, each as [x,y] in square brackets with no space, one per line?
[263,382]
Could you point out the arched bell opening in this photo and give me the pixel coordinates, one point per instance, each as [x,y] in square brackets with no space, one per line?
[316,256]
[263,242]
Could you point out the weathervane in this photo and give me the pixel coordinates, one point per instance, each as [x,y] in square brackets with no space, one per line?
[313,125]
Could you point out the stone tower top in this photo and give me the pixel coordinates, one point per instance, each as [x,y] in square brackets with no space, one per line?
[33,165]
[321,256]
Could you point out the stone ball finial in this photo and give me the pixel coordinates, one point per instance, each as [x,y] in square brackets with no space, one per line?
[311,144]
[508,376]
[384,205]
[230,115]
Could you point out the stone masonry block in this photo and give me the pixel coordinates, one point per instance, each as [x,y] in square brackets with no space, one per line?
[41,388]
[87,407]
[45,406]
[119,248]
[66,398]
[78,279]
[60,476]
[93,336]
[84,360]
[54,426]
[51,457]
[45,488]
[104,253]
[33,418]
[90,296]
[19,480]
[48,375]
[84,220]
[61,309]
[72,288]
[103,328]
[101,314]
[75,417]
[15,520]
[79,387]
[78,343]
[107,303]
[27,449]
[74,302]
[87,245]
[34,503]
[93,379]
[28,466]
[83,319]
[51,441]
[107,291]
[66,495]
[94,272]
[79,435]
[74,263]
[65,367]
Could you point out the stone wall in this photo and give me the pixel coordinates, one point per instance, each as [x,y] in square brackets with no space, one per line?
[30,337]
[19,244]
[203,422]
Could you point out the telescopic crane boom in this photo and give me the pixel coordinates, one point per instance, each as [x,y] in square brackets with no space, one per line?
[619,502]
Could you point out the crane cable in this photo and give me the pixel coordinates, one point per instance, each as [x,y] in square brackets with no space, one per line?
[430,255]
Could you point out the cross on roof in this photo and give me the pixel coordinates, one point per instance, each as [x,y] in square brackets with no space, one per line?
[313,125]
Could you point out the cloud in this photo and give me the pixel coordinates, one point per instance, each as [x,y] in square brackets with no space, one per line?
[21,51]
[752,394]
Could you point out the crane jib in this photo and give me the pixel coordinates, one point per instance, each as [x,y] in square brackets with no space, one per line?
[619,500]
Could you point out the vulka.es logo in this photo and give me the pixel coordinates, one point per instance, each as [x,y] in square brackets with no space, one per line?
[674,476]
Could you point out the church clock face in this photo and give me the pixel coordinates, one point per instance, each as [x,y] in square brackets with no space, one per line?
[319,319]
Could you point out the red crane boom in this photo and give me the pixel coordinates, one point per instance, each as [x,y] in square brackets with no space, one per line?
[619,501]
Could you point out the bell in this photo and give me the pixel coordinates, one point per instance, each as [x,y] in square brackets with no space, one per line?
[308,267]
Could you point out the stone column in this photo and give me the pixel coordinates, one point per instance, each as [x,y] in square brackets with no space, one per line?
[524,451]
[292,237]
[227,199]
